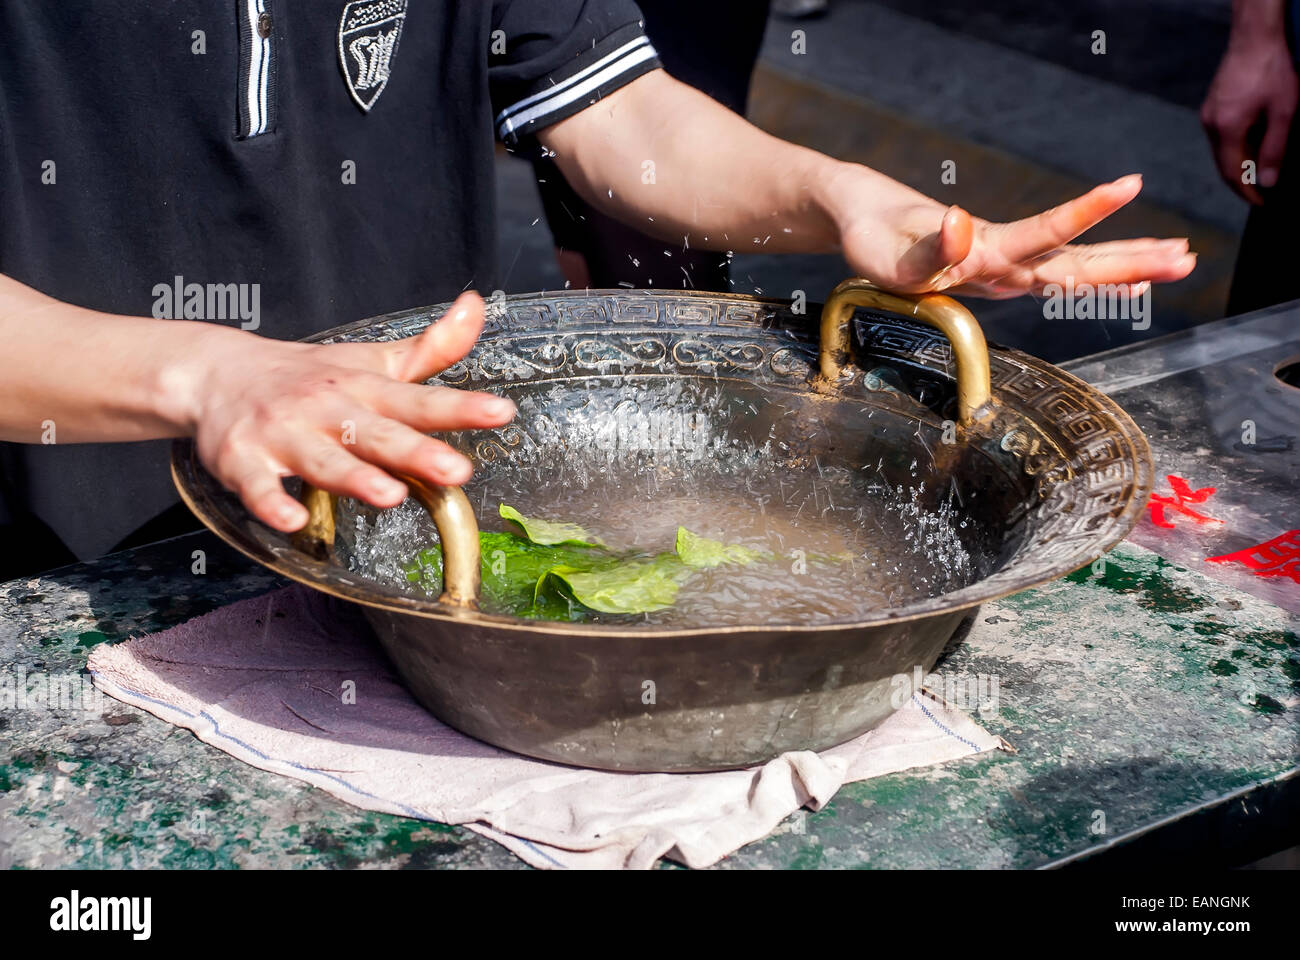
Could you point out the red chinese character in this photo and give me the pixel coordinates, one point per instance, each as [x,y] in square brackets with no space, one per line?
[1279,557]
[1183,495]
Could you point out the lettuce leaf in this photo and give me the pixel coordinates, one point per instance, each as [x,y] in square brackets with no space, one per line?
[696,551]
[549,532]
[559,571]
[510,567]
[637,586]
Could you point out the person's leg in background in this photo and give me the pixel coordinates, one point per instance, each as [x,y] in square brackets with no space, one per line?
[713,47]
[1265,273]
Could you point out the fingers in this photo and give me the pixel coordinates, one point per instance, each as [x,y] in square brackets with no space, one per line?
[352,449]
[442,344]
[400,449]
[1231,158]
[1097,264]
[1176,246]
[247,468]
[430,409]
[1131,264]
[1229,133]
[355,462]
[323,461]
[1044,232]
[925,261]
[260,489]
[344,417]
[953,245]
[1272,148]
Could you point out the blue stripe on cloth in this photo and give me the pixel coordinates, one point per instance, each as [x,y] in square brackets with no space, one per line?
[937,723]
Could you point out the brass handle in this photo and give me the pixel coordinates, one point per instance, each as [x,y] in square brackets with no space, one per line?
[943,313]
[451,513]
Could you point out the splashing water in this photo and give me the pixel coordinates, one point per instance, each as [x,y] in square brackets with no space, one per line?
[632,461]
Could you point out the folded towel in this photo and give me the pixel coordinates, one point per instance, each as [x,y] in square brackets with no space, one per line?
[292,682]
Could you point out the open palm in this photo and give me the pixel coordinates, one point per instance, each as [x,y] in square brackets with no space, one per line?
[929,247]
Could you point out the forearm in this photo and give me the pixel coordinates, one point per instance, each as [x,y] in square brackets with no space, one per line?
[95,376]
[345,417]
[665,158]
[1257,21]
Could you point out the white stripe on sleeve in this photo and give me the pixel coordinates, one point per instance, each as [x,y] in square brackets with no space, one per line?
[576,87]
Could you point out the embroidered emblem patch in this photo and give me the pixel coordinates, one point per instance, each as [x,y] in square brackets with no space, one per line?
[368,35]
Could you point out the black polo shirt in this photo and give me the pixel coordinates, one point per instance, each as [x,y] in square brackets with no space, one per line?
[288,164]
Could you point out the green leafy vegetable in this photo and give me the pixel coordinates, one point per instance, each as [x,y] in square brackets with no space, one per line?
[549,532]
[697,551]
[559,571]
[510,567]
[637,586]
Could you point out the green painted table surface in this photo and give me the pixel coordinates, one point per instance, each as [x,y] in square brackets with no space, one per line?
[1146,704]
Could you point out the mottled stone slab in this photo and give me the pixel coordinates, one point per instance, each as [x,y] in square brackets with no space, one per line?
[1133,694]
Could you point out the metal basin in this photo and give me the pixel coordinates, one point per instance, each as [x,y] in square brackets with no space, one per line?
[1050,474]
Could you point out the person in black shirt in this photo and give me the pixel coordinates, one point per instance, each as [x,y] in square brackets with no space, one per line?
[186,187]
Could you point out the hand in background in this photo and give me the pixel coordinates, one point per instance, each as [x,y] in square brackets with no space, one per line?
[1252,99]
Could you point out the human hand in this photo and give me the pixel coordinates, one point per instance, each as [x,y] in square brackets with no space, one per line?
[910,243]
[1248,109]
[341,416]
